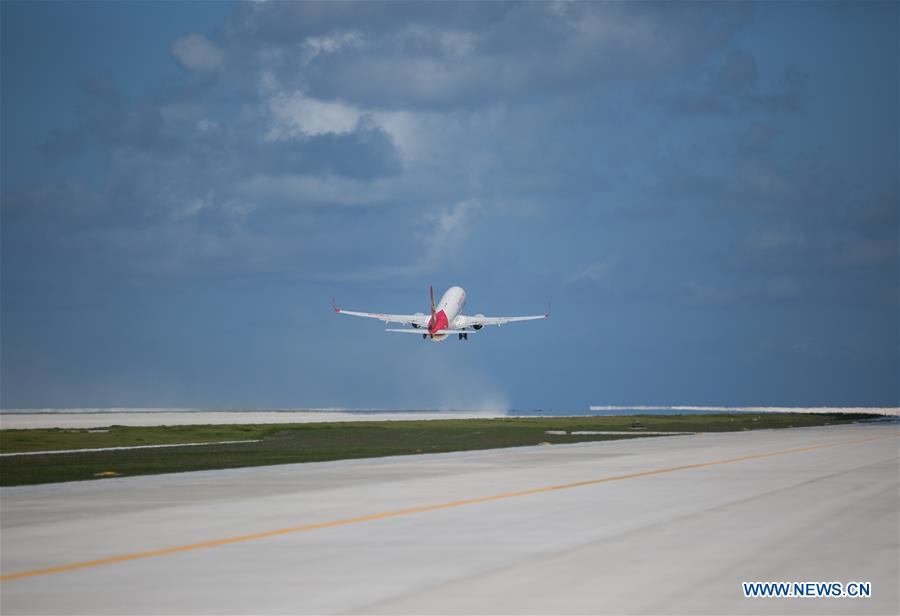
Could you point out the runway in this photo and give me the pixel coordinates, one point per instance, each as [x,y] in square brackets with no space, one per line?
[656,525]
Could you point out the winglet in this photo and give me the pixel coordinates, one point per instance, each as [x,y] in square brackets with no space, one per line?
[547,314]
[334,306]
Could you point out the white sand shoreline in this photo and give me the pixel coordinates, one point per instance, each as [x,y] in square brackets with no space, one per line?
[61,419]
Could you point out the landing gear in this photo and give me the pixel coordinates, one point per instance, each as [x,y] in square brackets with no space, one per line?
[463,336]
[424,336]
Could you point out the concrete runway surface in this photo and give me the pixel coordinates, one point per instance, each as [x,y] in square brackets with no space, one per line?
[655,525]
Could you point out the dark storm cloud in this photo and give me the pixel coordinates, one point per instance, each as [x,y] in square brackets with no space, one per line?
[733,87]
[114,122]
[168,161]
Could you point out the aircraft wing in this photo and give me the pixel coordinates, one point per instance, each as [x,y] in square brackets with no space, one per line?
[420,320]
[478,320]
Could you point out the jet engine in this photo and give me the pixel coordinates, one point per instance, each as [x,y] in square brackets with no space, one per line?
[478,326]
[418,314]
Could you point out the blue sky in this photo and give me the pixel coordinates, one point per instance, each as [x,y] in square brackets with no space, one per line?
[708,193]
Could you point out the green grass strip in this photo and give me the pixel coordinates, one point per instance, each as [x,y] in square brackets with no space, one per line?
[309,442]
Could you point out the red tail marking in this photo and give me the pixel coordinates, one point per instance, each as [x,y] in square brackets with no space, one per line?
[438,322]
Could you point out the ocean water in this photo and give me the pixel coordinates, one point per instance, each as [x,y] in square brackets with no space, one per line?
[85,418]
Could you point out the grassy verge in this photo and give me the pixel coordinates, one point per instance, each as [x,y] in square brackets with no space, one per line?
[289,443]
[53,439]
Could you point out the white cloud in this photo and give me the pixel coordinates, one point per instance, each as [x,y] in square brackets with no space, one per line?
[191,207]
[446,230]
[196,53]
[429,135]
[296,114]
[207,126]
[266,84]
[315,46]
[457,219]
[597,272]
[450,227]
[457,44]
[406,130]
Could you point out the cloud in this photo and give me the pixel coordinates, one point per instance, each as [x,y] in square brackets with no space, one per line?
[315,191]
[361,150]
[457,44]
[192,207]
[197,53]
[597,272]
[298,114]
[316,45]
[733,86]
[641,158]
[443,234]
[376,112]
[451,55]
[455,221]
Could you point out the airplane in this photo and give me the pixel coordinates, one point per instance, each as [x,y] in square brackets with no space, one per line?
[445,318]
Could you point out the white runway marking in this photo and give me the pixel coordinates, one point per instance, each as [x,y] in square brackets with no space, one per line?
[56,451]
[631,432]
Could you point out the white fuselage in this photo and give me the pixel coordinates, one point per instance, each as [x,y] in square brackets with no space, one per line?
[446,311]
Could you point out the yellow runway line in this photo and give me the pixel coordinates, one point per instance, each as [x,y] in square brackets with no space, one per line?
[411,510]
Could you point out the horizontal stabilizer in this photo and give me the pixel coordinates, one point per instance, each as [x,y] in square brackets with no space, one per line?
[425,331]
